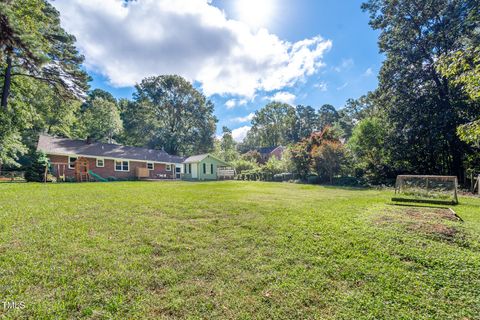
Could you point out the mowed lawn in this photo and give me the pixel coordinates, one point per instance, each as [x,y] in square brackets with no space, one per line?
[233,250]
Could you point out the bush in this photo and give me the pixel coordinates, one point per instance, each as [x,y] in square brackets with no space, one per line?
[286,176]
[273,167]
[313,179]
[349,182]
[244,165]
[35,172]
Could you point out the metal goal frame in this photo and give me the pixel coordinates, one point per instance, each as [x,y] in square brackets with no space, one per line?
[400,181]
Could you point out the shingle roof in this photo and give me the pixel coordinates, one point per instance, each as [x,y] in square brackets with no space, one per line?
[197,158]
[200,157]
[266,150]
[54,145]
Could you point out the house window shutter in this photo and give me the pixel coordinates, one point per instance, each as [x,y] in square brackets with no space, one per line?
[211,168]
[204,168]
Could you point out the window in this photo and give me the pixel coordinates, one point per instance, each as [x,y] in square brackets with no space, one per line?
[168,167]
[204,168]
[71,162]
[150,165]
[121,165]
[185,168]
[189,168]
[100,163]
[211,168]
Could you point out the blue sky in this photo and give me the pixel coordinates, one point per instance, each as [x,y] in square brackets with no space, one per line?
[309,52]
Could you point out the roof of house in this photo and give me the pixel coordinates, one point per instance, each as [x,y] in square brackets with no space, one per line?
[267,150]
[197,158]
[200,157]
[62,146]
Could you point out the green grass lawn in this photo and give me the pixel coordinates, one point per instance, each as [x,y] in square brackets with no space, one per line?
[235,250]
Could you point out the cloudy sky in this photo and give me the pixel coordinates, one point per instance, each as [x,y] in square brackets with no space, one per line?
[240,53]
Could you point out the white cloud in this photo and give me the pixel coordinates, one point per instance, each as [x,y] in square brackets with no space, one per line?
[191,38]
[322,86]
[232,103]
[345,65]
[244,119]
[368,72]
[240,133]
[283,96]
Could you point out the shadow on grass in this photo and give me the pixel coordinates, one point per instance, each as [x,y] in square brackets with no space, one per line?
[417,205]
[426,201]
[349,188]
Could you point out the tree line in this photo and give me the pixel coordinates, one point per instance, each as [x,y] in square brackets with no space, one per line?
[45,89]
[422,119]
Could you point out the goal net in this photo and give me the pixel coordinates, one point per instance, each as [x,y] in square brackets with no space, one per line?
[420,188]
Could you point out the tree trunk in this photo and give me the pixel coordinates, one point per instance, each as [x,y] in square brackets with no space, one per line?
[6,83]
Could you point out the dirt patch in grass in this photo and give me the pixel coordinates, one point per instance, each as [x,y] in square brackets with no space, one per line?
[434,223]
[429,214]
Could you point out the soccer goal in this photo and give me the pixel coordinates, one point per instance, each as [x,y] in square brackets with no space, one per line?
[420,188]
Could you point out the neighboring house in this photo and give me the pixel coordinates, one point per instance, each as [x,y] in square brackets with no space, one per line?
[109,160]
[267,153]
[204,167]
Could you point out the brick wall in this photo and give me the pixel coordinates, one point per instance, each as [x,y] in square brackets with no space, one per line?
[278,153]
[109,169]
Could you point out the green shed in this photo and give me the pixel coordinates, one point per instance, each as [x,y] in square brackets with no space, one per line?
[206,167]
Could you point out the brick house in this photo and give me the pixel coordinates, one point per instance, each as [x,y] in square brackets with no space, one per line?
[109,160]
[267,153]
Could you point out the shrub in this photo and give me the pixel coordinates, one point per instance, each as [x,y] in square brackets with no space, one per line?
[244,165]
[273,167]
[313,179]
[35,172]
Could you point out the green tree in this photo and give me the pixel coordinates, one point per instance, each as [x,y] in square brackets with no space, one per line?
[327,159]
[327,116]
[34,45]
[274,124]
[170,113]
[307,121]
[40,74]
[367,145]
[35,172]
[10,149]
[101,120]
[138,123]
[421,106]
[462,67]
[100,93]
[228,149]
[42,110]
[250,142]
[354,111]
[302,153]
